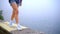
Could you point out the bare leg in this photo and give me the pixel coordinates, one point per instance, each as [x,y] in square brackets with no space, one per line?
[13,15]
[16,17]
[15,11]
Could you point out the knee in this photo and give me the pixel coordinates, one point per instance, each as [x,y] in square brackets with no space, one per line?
[16,11]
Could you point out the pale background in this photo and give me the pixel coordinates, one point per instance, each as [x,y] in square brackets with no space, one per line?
[42,15]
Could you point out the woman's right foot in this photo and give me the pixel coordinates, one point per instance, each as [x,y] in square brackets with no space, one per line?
[11,24]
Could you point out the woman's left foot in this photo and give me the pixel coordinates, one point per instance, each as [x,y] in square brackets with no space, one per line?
[19,27]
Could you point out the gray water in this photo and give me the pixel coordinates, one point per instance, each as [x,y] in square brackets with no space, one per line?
[41,15]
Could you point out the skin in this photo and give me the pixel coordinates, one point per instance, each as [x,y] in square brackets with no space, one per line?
[15,12]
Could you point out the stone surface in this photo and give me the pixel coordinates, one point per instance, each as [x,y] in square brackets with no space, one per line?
[5,29]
